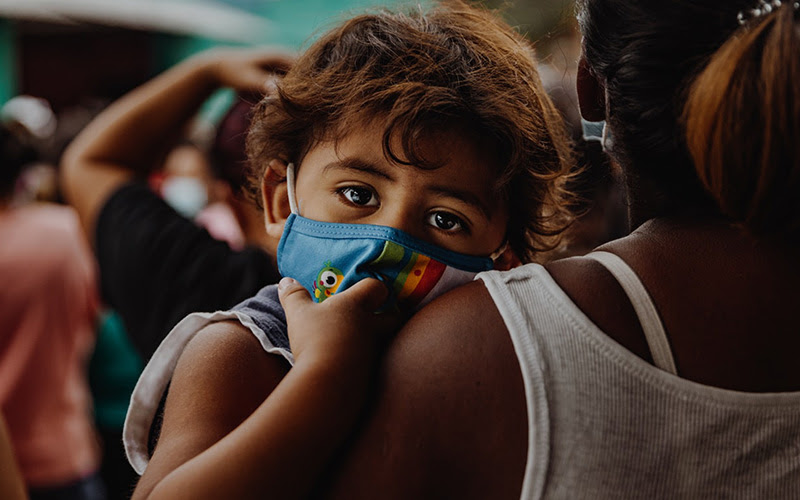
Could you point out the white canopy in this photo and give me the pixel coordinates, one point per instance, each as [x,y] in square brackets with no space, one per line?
[205,18]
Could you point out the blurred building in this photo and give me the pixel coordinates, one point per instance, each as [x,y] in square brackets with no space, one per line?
[75,52]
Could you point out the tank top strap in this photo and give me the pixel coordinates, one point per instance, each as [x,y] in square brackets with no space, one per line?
[643,305]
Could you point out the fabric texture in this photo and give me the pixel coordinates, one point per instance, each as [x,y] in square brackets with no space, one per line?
[327,257]
[262,314]
[603,423]
[48,308]
[157,266]
[649,319]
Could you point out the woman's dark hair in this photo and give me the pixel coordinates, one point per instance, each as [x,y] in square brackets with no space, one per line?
[743,125]
[647,53]
[452,68]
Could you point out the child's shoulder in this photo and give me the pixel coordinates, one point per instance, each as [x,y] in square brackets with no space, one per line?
[222,363]
[220,343]
[222,375]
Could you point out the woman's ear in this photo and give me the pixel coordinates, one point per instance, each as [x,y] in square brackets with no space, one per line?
[275,198]
[591,93]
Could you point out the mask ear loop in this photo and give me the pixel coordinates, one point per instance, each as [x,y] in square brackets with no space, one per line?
[290,188]
[497,253]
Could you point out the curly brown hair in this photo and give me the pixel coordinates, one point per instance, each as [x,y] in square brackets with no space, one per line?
[451,68]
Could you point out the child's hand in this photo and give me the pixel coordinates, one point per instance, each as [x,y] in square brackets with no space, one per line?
[344,328]
[250,70]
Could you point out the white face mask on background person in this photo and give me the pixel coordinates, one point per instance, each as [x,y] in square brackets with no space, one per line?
[187,195]
[598,131]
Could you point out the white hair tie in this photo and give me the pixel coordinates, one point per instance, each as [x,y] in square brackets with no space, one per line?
[764,8]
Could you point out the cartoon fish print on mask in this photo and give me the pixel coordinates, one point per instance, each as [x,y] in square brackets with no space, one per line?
[327,282]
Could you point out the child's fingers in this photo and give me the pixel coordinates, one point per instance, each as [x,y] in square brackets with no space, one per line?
[292,295]
[368,294]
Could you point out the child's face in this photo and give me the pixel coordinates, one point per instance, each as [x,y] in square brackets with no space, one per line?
[453,206]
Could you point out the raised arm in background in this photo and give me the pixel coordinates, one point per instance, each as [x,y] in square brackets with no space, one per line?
[157,266]
[130,137]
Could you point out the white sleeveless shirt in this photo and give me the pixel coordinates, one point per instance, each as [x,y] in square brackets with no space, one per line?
[603,423]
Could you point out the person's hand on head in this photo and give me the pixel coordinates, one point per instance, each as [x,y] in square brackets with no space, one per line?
[344,329]
[246,69]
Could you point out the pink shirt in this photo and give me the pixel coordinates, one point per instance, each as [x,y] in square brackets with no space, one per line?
[220,222]
[48,305]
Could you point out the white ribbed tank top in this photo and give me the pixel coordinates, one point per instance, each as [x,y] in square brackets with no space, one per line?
[603,423]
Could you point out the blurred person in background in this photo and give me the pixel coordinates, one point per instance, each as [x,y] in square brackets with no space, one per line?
[11,485]
[190,184]
[202,182]
[187,183]
[160,259]
[600,198]
[48,309]
[231,216]
[156,265]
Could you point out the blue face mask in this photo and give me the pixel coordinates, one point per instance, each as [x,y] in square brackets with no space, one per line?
[327,258]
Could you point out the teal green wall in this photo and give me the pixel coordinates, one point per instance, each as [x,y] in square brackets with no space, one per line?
[8,62]
[297,21]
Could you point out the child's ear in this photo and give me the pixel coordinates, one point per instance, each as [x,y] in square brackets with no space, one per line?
[275,198]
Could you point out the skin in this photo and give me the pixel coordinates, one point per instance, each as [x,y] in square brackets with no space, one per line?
[12,486]
[217,437]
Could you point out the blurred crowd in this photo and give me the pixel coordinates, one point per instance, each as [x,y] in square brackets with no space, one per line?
[67,363]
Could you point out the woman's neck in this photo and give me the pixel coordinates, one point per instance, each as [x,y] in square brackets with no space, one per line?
[647,200]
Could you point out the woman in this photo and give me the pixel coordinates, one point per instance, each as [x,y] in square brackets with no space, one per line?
[547,381]
[48,309]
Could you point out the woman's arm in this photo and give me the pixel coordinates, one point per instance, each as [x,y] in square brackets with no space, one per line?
[131,136]
[449,418]
[282,448]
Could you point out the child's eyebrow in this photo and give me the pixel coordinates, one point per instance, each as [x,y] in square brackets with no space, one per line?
[368,168]
[359,166]
[464,196]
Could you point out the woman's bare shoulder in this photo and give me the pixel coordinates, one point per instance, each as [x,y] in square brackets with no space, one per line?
[450,401]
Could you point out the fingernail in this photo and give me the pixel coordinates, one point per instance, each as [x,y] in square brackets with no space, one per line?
[285,282]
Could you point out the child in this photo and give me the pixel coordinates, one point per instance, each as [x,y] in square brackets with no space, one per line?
[418,141]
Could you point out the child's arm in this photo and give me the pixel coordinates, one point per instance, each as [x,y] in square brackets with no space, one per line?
[131,136]
[282,448]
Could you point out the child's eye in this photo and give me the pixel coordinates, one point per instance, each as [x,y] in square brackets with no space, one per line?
[445,221]
[359,196]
